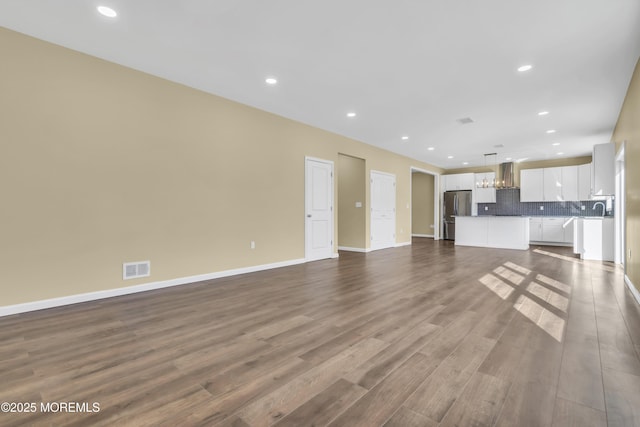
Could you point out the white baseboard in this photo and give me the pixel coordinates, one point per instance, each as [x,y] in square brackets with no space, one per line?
[422,235]
[350,249]
[397,245]
[109,293]
[632,288]
[335,255]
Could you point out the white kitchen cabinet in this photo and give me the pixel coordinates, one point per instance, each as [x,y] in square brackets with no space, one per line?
[460,181]
[595,239]
[531,185]
[570,183]
[552,230]
[568,230]
[603,170]
[535,229]
[584,181]
[549,184]
[552,184]
[485,195]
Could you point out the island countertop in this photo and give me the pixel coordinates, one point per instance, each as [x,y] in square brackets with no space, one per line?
[507,232]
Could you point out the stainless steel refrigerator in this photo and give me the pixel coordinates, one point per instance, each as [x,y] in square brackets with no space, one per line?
[456,203]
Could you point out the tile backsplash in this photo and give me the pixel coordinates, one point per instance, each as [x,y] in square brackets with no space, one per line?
[508,203]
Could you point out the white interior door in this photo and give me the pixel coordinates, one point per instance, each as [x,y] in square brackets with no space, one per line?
[383,210]
[318,209]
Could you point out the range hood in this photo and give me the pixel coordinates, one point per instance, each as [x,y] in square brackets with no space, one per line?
[506,176]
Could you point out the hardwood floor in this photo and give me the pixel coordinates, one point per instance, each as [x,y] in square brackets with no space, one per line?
[426,335]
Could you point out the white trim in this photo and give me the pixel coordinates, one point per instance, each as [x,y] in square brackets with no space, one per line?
[335,255]
[398,245]
[632,288]
[422,235]
[350,249]
[109,293]
[436,198]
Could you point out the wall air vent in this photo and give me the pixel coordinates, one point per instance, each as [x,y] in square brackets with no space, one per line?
[134,270]
[465,120]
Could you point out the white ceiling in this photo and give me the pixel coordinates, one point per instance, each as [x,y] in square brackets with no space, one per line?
[406,67]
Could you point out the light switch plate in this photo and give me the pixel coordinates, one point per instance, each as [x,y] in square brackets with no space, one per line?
[358,204]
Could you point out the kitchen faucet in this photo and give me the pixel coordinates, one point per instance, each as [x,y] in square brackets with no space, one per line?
[601,204]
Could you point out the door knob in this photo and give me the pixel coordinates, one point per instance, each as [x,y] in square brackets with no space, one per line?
[308,215]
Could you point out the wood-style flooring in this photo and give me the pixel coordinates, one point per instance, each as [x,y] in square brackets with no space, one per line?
[425,335]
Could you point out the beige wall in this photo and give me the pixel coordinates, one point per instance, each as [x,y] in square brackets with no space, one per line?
[571,161]
[352,184]
[628,129]
[422,203]
[102,165]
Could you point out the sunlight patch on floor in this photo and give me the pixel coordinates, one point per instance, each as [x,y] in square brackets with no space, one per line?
[500,288]
[543,318]
[554,283]
[509,275]
[506,280]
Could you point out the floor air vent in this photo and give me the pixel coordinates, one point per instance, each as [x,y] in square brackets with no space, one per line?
[134,270]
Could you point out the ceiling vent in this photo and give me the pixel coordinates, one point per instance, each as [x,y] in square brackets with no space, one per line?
[135,270]
[465,120]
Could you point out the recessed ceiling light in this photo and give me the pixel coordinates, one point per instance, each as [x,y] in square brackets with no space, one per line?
[107,11]
[404,138]
[508,158]
[465,163]
[560,153]
[543,113]
[449,157]
[271,80]
[351,114]
[431,148]
[525,68]
[551,131]
[556,143]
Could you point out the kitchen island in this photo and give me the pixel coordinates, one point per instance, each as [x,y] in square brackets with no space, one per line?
[506,232]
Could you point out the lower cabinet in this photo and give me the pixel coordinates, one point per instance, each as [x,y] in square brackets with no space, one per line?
[551,230]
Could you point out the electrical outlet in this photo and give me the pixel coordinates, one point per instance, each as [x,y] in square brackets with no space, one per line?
[358,204]
[583,207]
[430,225]
[407,205]
[486,208]
[541,208]
[253,244]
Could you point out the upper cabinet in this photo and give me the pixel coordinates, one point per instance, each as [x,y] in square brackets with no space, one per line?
[584,181]
[570,183]
[552,184]
[531,185]
[460,181]
[603,170]
[549,184]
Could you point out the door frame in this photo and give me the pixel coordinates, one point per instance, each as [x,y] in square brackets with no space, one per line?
[436,200]
[620,207]
[333,203]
